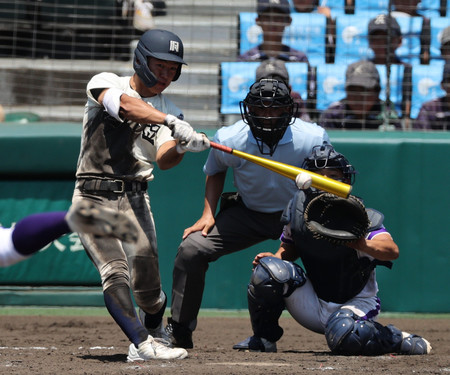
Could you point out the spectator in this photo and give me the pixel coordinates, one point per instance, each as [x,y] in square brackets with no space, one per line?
[435,114]
[445,44]
[384,54]
[311,6]
[361,108]
[276,69]
[405,8]
[378,30]
[273,17]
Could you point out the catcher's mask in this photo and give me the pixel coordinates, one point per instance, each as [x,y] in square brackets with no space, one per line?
[325,156]
[268,109]
[161,44]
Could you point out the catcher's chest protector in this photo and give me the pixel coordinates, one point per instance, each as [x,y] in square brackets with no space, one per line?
[336,272]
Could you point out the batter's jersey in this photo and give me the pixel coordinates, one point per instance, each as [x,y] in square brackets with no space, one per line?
[261,189]
[115,149]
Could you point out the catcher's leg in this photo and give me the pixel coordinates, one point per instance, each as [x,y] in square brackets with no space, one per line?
[272,280]
[347,335]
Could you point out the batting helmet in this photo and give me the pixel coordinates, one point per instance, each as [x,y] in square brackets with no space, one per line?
[325,156]
[161,44]
[267,128]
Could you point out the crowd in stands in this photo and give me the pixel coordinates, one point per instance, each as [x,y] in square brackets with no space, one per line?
[361,106]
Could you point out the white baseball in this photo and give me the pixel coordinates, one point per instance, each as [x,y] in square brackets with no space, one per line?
[303,181]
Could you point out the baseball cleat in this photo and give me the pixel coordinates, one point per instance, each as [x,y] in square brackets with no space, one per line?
[180,336]
[153,349]
[256,344]
[158,333]
[414,345]
[88,217]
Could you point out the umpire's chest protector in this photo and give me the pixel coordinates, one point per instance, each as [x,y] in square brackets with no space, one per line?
[336,272]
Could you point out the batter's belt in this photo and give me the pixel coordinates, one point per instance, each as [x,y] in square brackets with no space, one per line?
[97,185]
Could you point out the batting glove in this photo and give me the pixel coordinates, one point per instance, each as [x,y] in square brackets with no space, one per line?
[181,130]
[199,142]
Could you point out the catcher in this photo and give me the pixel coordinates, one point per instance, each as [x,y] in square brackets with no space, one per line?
[339,243]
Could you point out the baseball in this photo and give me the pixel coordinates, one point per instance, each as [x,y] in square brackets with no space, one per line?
[303,181]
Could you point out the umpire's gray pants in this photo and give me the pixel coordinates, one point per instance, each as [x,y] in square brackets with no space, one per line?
[236,228]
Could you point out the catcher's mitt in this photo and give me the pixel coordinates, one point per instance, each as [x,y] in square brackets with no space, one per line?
[336,219]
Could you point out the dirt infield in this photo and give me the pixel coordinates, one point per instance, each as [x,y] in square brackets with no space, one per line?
[95,345]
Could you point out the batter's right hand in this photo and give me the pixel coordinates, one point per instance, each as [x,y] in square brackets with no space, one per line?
[181,130]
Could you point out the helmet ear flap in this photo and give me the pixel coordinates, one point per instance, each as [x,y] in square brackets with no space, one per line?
[177,74]
[142,70]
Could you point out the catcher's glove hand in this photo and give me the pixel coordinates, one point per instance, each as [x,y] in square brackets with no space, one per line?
[336,219]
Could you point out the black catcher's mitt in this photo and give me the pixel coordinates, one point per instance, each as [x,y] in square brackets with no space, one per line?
[336,219]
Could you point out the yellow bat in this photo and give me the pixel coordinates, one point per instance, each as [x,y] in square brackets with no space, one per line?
[318,181]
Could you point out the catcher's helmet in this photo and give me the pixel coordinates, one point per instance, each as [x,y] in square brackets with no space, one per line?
[325,156]
[161,44]
[268,128]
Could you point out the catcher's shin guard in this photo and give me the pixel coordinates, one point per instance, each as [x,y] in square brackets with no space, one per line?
[271,281]
[346,335]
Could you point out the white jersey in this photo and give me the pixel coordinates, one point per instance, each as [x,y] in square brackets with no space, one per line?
[8,253]
[112,149]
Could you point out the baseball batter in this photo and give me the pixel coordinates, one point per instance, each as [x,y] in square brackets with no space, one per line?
[122,137]
[336,295]
[33,232]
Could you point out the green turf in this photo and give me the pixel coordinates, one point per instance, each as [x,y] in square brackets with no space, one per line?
[101,311]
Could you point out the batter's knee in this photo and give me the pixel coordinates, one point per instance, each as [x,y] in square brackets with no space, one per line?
[115,272]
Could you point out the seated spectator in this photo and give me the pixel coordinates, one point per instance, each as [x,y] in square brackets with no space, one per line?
[405,8]
[276,69]
[378,30]
[435,114]
[311,6]
[361,108]
[384,54]
[445,44]
[273,17]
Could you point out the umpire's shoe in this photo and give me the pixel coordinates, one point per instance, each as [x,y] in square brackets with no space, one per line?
[180,336]
[256,344]
[88,217]
[414,345]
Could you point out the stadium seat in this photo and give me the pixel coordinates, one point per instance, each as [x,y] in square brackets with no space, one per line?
[307,33]
[411,47]
[331,85]
[426,85]
[237,77]
[437,25]
[371,6]
[351,38]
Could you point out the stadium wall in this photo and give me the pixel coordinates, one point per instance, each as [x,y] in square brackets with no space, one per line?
[403,174]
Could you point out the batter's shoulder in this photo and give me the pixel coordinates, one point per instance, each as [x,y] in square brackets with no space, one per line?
[107,80]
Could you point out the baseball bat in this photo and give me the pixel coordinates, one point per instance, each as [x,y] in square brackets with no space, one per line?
[318,181]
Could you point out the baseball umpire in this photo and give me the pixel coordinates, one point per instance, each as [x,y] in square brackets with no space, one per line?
[250,216]
[122,137]
[337,295]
